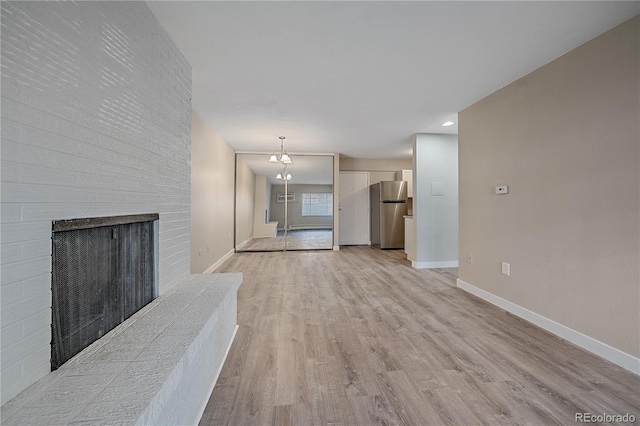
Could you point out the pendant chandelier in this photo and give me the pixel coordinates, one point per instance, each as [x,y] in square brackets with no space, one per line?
[285,175]
[284,159]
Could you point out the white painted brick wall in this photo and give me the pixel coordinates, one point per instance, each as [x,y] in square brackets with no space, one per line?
[96,104]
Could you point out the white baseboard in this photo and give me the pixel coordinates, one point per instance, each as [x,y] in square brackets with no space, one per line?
[597,347]
[244,243]
[309,227]
[336,248]
[213,384]
[216,265]
[434,265]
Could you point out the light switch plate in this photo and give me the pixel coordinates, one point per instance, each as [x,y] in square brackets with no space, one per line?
[506,268]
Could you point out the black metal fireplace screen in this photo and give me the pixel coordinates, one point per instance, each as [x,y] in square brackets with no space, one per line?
[103,271]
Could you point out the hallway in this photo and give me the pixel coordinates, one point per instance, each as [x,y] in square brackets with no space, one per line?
[357,336]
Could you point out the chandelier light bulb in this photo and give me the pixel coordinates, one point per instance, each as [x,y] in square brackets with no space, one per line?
[285,159]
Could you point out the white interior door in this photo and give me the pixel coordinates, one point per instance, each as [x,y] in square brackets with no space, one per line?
[354,208]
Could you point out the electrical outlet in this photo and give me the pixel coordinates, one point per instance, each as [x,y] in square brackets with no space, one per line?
[506,268]
[501,190]
[469,258]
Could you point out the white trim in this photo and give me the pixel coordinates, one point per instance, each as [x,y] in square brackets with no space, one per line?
[291,153]
[244,243]
[213,383]
[597,347]
[216,265]
[434,265]
[328,227]
[336,248]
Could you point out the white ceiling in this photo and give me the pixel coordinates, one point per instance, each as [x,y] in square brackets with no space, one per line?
[360,78]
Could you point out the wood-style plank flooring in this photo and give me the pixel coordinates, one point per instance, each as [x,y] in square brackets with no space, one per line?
[300,239]
[357,336]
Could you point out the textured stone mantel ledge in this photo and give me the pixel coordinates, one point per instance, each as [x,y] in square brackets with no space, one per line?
[158,367]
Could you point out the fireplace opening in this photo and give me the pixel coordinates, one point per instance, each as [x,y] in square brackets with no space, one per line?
[103,271]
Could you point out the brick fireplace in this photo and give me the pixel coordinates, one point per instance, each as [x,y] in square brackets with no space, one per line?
[96,122]
[103,271]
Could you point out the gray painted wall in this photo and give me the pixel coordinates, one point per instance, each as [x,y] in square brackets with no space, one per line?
[565,140]
[295,208]
[212,183]
[374,164]
[379,169]
[245,201]
[262,203]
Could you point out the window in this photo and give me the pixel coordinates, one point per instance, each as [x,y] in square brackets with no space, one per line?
[317,204]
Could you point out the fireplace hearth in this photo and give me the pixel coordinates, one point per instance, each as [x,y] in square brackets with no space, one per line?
[103,271]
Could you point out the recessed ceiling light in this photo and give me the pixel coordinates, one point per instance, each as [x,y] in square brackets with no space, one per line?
[447,123]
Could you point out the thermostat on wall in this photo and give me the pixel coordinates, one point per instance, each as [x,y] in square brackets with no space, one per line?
[501,190]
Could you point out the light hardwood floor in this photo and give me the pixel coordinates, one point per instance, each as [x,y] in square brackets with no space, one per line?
[359,337]
[302,239]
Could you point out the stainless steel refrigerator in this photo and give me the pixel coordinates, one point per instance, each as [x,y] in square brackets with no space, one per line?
[388,208]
